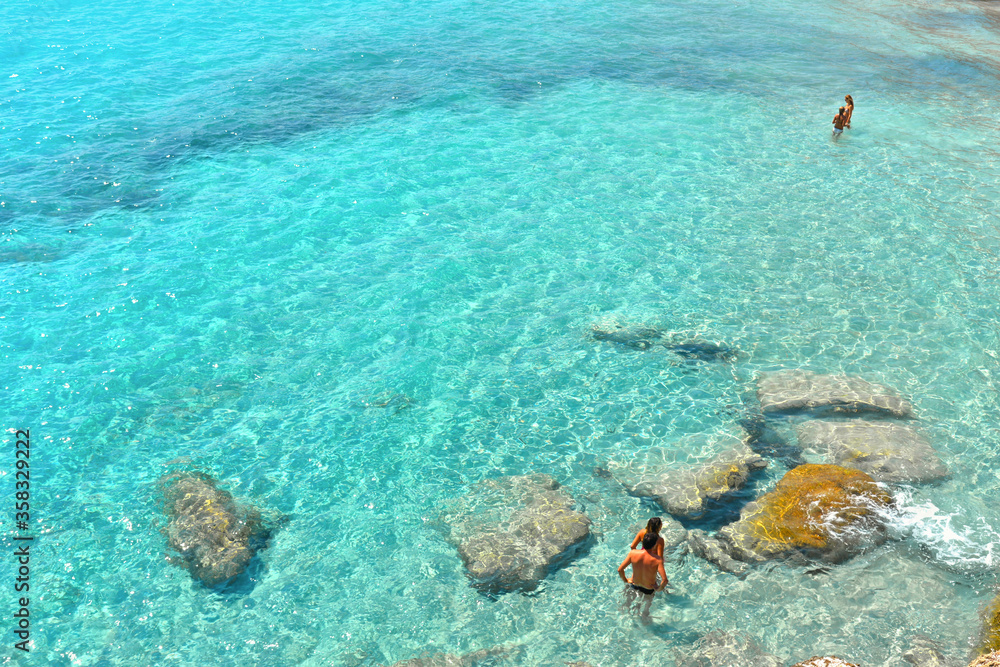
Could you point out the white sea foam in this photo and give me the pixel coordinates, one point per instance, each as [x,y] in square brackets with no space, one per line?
[955,539]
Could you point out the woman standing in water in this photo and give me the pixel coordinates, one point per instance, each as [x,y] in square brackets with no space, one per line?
[652,526]
[849,105]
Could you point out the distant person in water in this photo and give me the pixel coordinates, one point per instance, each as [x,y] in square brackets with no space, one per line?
[838,122]
[849,105]
[652,526]
[641,586]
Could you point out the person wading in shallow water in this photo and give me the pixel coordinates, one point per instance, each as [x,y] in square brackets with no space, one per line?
[838,122]
[652,526]
[641,586]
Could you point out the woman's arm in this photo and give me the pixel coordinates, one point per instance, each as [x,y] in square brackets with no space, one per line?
[638,538]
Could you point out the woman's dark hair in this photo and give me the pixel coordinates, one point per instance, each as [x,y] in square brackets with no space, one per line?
[653,525]
[649,540]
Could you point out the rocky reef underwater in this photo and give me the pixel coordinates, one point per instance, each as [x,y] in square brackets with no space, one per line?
[511,532]
[211,535]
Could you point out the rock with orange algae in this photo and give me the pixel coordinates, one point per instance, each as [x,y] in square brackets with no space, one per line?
[989,660]
[989,639]
[826,662]
[815,510]
[793,391]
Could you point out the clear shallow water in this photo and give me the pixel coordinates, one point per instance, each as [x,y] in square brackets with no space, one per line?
[230,230]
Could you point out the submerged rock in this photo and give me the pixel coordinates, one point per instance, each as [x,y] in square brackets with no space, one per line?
[792,391]
[888,451]
[635,337]
[641,337]
[764,440]
[826,662]
[683,492]
[821,511]
[702,350]
[32,252]
[925,656]
[723,649]
[215,536]
[483,658]
[715,552]
[510,531]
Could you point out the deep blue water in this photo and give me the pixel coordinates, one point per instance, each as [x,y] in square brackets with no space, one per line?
[230,231]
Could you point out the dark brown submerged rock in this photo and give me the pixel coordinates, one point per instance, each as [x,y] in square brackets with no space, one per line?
[214,536]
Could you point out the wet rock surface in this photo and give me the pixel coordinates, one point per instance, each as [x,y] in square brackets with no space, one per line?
[888,451]
[818,511]
[826,662]
[723,649]
[683,491]
[989,660]
[510,531]
[793,391]
[215,536]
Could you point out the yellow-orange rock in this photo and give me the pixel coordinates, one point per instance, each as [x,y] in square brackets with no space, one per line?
[990,639]
[823,511]
[989,660]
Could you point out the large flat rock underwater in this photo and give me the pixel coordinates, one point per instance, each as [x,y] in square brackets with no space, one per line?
[797,390]
[722,649]
[214,536]
[511,531]
[493,657]
[888,451]
[683,490]
[817,511]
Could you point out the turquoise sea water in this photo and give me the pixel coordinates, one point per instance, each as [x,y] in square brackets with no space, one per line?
[231,231]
